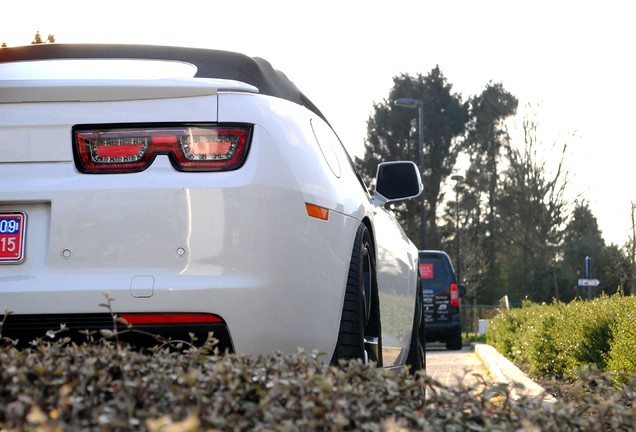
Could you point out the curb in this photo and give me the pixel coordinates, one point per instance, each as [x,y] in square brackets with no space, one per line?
[505,372]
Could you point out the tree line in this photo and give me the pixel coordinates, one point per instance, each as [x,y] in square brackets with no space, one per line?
[37,40]
[519,235]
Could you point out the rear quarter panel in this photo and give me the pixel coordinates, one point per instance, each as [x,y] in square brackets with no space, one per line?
[397,283]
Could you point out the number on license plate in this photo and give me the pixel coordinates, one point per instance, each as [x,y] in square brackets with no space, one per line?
[12,234]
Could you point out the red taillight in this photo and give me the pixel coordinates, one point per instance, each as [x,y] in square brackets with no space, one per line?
[120,151]
[190,148]
[454,295]
[170,318]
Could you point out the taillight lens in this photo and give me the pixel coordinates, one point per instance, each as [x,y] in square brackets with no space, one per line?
[454,295]
[190,147]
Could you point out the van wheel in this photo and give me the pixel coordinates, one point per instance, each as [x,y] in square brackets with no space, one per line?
[359,334]
[455,342]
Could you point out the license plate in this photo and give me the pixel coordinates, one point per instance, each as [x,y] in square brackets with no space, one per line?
[12,235]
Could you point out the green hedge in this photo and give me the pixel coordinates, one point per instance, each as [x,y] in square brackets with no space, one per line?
[102,387]
[557,340]
[622,355]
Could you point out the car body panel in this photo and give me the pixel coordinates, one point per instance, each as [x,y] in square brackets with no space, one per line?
[17,91]
[239,243]
[397,285]
[43,130]
[31,71]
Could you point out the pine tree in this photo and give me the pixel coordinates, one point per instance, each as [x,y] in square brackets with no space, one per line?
[392,134]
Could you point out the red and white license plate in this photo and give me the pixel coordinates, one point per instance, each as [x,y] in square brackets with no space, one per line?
[12,235]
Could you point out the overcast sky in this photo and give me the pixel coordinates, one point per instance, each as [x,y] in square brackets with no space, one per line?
[572,61]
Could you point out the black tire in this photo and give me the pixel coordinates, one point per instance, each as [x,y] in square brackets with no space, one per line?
[455,342]
[359,321]
[416,360]
[423,330]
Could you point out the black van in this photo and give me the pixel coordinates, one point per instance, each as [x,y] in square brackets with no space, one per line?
[442,299]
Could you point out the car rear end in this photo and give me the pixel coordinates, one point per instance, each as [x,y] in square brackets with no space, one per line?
[441,297]
[166,201]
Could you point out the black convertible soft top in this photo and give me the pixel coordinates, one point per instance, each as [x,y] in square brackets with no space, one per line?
[210,64]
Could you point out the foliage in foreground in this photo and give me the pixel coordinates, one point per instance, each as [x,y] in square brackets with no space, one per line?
[559,339]
[62,386]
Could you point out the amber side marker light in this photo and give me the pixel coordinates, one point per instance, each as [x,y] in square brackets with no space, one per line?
[317,212]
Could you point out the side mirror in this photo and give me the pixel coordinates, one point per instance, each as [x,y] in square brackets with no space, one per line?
[462,290]
[397,181]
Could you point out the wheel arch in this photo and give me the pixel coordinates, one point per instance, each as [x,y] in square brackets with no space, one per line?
[375,320]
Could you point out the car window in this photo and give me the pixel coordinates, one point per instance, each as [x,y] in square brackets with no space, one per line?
[434,273]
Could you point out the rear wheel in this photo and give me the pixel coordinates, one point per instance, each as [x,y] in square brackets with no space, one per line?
[359,334]
[416,360]
[455,342]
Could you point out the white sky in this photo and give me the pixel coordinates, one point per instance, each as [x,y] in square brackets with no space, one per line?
[572,60]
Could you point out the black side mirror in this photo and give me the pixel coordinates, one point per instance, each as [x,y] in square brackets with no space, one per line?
[397,181]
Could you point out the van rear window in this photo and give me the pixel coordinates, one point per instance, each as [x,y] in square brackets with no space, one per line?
[434,271]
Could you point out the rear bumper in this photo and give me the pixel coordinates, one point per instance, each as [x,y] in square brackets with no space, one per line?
[279,296]
[443,331]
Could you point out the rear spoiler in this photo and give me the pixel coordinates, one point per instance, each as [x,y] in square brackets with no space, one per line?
[101,90]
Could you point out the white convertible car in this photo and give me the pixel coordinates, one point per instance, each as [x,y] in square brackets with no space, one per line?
[199,191]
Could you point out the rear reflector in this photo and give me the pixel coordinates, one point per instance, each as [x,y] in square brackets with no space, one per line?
[170,318]
[200,147]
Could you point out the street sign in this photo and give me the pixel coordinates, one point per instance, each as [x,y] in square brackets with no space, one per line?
[589,282]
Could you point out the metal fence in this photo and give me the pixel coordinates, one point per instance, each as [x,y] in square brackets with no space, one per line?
[472,314]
